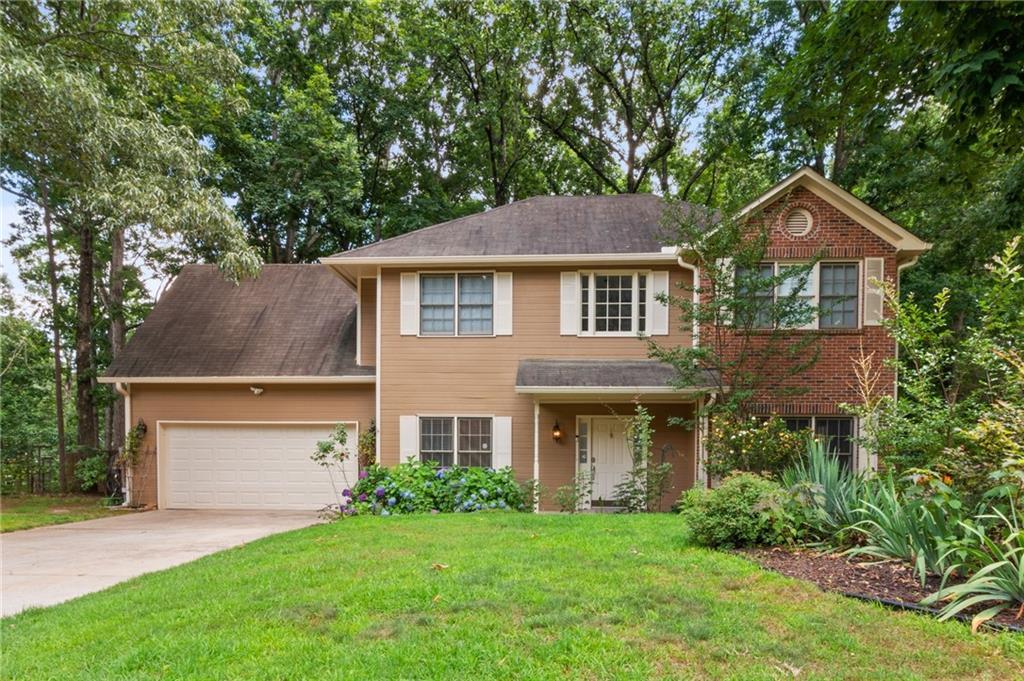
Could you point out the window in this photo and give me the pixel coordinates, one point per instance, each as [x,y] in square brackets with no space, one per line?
[472,447]
[754,284]
[581,440]
[436,441]
[833,285]
[613,303]
[443,313]
[836,431]
[837,300]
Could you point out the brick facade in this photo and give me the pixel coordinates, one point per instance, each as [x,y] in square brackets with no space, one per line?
[831,380]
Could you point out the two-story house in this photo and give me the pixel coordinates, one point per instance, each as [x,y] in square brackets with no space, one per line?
[506,338]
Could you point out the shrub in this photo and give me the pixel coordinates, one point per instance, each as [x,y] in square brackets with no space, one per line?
[756,445]
[745,510]
[91,471]
[416,487]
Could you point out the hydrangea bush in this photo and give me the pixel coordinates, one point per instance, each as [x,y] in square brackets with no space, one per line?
[415,487]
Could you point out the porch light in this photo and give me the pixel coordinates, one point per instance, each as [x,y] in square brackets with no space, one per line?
[556,433]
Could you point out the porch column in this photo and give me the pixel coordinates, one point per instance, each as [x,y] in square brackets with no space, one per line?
[536,454]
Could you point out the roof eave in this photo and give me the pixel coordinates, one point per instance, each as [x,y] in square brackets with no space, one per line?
[240,379]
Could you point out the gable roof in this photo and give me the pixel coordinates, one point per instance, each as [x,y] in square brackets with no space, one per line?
[295,321]
[538,226]
[871,219]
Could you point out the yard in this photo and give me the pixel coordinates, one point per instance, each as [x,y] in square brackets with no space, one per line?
[35,510]
[487,596]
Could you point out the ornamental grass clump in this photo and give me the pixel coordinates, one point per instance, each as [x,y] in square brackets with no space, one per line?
[416,487]
[825,495]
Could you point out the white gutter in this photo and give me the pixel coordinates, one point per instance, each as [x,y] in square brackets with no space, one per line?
[444,260]
[237,379]
[126,485]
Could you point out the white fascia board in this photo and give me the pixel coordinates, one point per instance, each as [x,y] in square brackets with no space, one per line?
[666,254]
[236,379]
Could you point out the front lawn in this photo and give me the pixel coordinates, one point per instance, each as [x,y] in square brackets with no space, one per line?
[23,512]
[486,596]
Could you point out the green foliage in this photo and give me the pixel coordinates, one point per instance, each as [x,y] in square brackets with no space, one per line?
[416,487]
[999,581]
[368,446]
[91,471]
[129,454]
[571,498]
[825,494]
[745,510]
[753,444]
[644,485]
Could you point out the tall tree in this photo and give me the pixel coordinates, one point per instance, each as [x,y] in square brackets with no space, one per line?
[83,146]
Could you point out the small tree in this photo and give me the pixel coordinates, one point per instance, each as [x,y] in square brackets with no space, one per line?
[645,484]
[332,454]
[753,320]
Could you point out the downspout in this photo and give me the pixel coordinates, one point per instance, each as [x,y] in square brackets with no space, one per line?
[702,454]
[126,485]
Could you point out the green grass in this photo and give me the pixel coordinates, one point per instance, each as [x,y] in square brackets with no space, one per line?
[23,512]
[523,596]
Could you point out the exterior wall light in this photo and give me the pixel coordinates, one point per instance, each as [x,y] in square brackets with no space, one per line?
[556,433]
[257,390]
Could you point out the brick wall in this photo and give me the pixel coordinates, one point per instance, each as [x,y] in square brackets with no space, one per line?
[831,380]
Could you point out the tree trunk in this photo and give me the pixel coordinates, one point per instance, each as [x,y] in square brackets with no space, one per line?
[85,399]
[117,330]
[63,463]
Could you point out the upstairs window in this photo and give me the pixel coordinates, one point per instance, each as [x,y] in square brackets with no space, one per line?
[830,289]
[837,300]
[613,303]
[457,304]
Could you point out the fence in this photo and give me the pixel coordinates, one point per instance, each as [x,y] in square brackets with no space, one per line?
[34,469]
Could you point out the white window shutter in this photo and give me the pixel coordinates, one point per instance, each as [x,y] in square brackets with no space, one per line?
[657,312]
[408,437]
[570,303]
[726,281]
[874,271]
[410,294]
[503,304]
[501,441]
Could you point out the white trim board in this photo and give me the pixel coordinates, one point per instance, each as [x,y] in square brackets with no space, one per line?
[239,380]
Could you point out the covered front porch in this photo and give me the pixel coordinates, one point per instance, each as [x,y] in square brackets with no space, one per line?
[581,410]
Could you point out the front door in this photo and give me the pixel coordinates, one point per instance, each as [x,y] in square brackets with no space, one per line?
[610,458]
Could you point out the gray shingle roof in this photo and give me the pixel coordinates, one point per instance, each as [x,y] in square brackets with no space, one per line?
[542,225]
[603,373]
[291,320]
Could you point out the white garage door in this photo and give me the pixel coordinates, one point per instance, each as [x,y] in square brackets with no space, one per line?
[247,466]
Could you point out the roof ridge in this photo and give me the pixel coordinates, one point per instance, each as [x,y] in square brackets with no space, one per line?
[440,224]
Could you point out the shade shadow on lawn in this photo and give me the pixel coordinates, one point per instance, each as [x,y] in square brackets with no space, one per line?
[486,596]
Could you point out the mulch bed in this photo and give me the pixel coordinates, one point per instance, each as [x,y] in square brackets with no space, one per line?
[890,581]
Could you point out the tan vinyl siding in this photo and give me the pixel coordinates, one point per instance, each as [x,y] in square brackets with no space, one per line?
[368,320]
[467,375]
[237,403]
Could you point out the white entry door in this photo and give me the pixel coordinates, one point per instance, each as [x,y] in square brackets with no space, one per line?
[610,457]
[247,466]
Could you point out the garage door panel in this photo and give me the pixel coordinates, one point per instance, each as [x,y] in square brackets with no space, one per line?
[246,466]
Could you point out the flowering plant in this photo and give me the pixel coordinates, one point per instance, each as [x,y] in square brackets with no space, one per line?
[416,487]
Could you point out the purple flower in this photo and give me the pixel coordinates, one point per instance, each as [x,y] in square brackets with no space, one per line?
[346,492]
[362,497]
[363,474]
[379,491]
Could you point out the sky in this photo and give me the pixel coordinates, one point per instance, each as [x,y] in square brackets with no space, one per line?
[9,215]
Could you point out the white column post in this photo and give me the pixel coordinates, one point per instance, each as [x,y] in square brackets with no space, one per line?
[536,455]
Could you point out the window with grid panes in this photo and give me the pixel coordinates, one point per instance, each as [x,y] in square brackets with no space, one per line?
[613,303]
[837,295]
[475,442]
[437,443]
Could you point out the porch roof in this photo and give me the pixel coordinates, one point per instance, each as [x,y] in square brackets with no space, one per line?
[603,376]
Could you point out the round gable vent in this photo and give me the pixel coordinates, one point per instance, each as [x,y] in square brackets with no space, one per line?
[798,222]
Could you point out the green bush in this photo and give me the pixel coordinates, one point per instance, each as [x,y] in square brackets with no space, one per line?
[745,510]
[91,471]
[755,445]
[415,487]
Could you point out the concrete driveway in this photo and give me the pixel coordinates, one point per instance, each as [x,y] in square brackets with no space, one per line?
[49,565]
